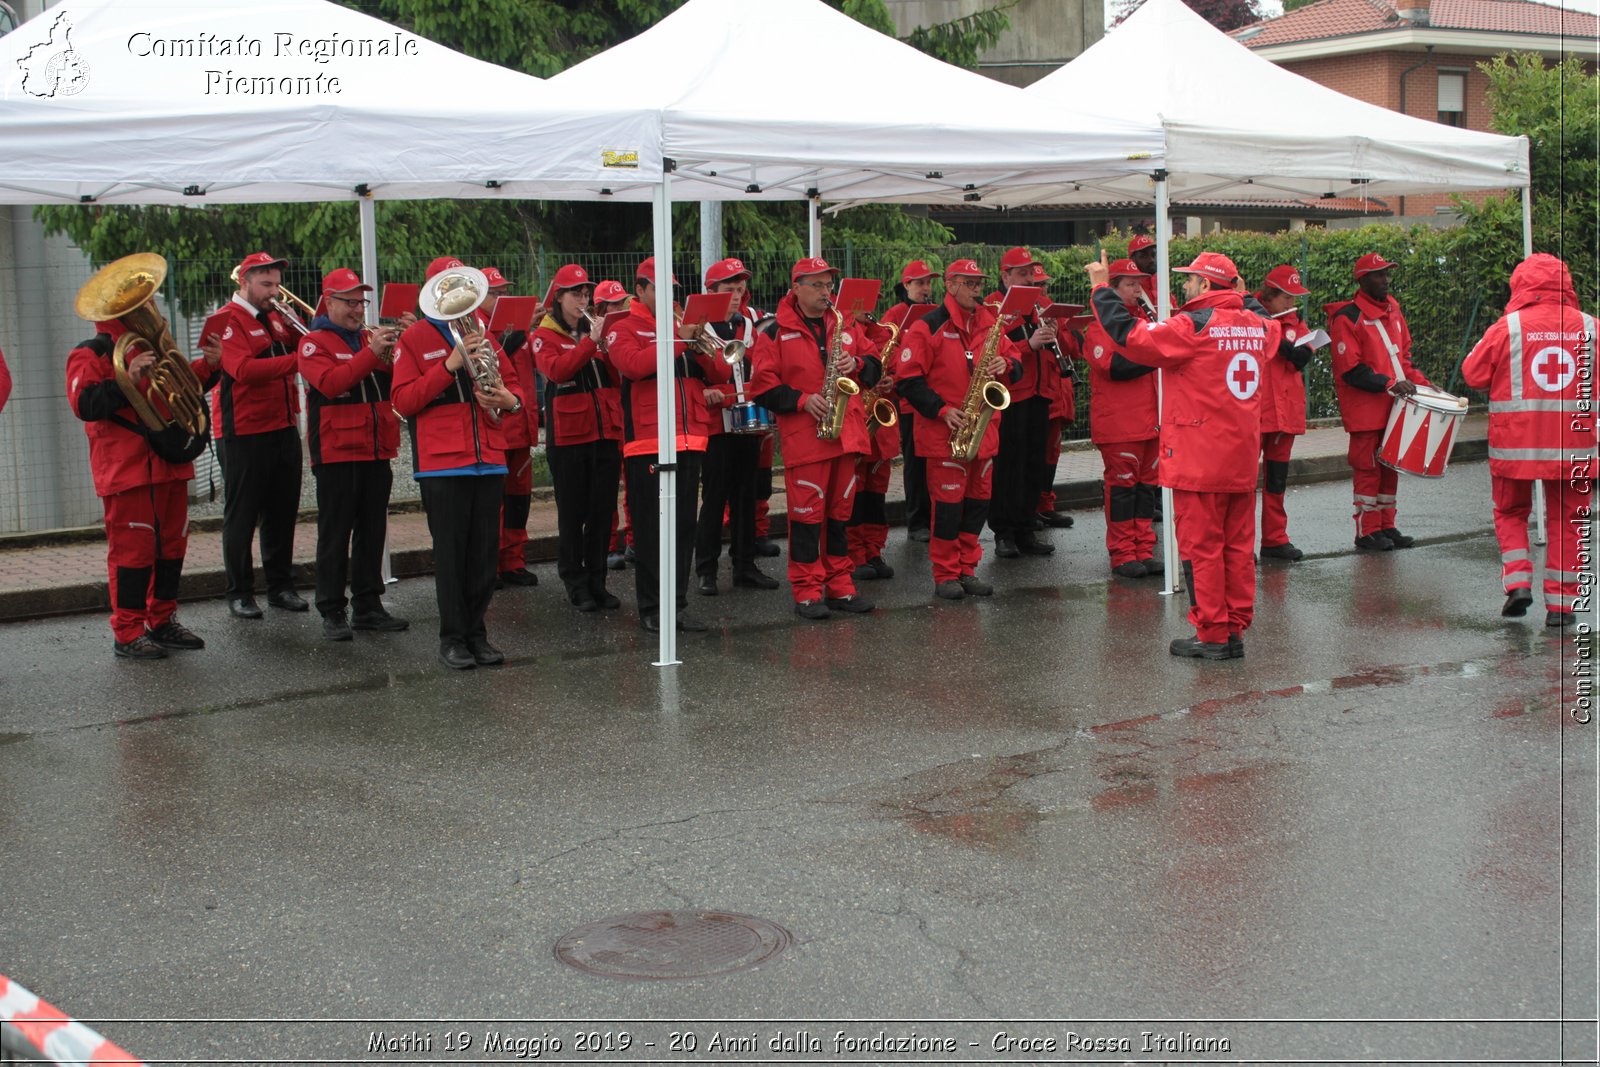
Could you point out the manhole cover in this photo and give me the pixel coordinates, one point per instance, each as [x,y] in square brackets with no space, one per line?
[672,944]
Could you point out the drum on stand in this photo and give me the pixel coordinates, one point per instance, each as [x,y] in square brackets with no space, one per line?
[746,418]
[1422,432]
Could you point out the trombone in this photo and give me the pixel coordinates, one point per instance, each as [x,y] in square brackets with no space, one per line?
[284,310]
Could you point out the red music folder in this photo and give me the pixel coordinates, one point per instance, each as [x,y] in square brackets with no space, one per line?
[857,296]
[707,307]
[1020,299]
[398,299]
[913,313]
[216,323]
[1061,311]
[611,321]
[513,313]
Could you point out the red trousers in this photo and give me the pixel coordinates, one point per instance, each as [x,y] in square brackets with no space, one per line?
[764,486]
[868,528]
[960,495]
[1374,484]
[621,529]
[514,507]
[1217,542]
[147,533]
[821,496]
[1566,518]
[1052,457]
[1275,449]
[1130,499]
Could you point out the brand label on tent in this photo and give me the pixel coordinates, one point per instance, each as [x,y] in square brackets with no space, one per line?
[619,158]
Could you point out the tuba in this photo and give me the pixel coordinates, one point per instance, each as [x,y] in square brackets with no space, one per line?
[453,297]
[125,291]
[836,388]
[985,396]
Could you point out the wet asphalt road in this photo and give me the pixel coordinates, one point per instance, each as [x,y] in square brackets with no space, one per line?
[1018,809]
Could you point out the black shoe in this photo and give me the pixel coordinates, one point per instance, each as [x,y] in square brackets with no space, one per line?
[1396,538]
[920,534]
[379,619]
[812,609]
[972,585]
[484,654]
[1005,547]
[243,607]
[1235,646]
[880,568]
[1031,546]
[604,599]
[335,627]
[174,634]
[456,657]
[629,556]
[1154,567]
[140,647]
[1517,602]
[1374,542]
[1131,569]
[650,623]
[521,576]
[689,624]
[584,602]
[1035,522]
[766,546]
[1284,551]
[617,561]
[949,591]
[706,585]
[751,577]
[850,605]
[1059,519]
[288,600]
[1194,648]
[1559,619]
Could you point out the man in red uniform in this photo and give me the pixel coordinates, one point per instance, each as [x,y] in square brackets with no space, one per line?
[632,345]
[1283,408]
[868,528]
[819,474]
[1019,467]
[254,418]
[1125,426]
[146,499]
[352,433]
[1372,366]
[916,287]
[1212,351]
[1057,384]
[610,296]
[1142,250]
[522,434]
[938,357]
[1537,365]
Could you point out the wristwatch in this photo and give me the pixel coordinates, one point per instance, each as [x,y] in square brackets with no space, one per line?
[513,411]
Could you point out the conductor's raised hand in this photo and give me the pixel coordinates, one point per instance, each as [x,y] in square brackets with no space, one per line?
[1099,273]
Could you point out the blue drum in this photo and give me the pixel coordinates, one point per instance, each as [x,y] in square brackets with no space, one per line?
[747,418]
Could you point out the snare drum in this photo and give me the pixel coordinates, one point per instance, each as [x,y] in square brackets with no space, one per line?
[746,418]
[1422,431]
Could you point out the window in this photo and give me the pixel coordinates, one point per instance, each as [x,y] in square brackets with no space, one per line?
[1453,97]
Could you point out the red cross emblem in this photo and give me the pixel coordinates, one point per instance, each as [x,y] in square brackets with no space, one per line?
[1244,376]
[1553,369]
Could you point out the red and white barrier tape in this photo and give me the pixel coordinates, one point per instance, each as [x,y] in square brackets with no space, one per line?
[59,1037]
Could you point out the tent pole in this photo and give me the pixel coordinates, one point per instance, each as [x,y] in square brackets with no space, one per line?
[367,213]
[813,226]
[710,234]
[1527,250]
[667,421]
[1169,517]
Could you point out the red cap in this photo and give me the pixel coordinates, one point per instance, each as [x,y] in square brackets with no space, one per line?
[726,270]
[647,271]
[1016,257]
[495,279]
[1287,279]
[1038,273]
[572,276]
[964,268]
[811,265]
[914,270]
[441,264]
[343,280]
[1140,241]
[609,292]
[1213,265]
[257,260]
[1371,262]
[1124,268]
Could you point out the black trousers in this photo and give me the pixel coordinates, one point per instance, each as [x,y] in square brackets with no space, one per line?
[644,511]
[585,479]
[1020,470]
[730,467]
[261,486]
[464,520]
[914,477]
[352,516]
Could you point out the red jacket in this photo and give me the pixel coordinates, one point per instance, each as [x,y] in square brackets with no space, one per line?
[741,328]
[349,417]
[256,390]
[1363,369]
[119,456]
[934,373]
[1122,394]
[897,316]
[884,442]
[521,429]
[632,347]
[1283,397]
[1060,389]
[582,403]
[789,367]
[1212,352]
[448,428]
[1537,365]
[1032,382]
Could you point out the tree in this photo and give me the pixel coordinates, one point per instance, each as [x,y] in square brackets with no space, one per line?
[1225,15]
[1295,5]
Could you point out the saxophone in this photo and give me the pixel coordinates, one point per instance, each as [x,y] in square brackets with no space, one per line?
[985,396]
[836,388]
[880,409]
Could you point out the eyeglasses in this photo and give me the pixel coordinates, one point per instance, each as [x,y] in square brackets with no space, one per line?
[355,302]
[822,287]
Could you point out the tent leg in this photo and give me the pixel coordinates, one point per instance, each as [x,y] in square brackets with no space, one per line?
[813,226]
[1527,250]
[710,234]
[367,212]
[667,421]
[1169,518]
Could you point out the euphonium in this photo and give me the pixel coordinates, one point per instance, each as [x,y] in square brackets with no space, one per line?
[836,388]
[880,409]
[125,290]
[985,396]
